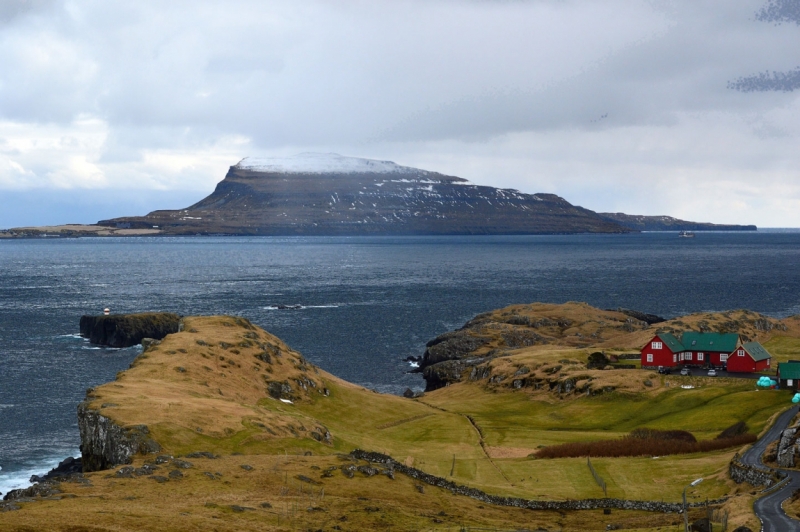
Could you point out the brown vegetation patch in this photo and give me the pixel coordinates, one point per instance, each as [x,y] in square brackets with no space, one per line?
[644,442]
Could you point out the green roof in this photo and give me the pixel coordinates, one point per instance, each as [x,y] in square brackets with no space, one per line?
[673,343]
[789,370]
[722,343]
[757,351]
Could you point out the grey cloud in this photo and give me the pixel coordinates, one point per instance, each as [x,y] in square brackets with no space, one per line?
[780,11]
[768,81]
[12,9]
[777,11]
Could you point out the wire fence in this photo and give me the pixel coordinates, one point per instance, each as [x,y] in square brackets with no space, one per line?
[597,477]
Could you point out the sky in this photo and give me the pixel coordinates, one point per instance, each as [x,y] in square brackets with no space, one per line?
[659,107]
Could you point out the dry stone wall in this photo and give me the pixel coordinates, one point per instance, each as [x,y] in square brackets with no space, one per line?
[582,504]
[740,472]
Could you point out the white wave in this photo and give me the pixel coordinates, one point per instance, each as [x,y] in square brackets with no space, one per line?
[414,364]
[297,307]
[7,406]
[12,480]
[70,336]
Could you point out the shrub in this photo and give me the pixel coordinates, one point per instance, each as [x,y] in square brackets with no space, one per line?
[597,360]
[736,429]
[644,442]
[654,434]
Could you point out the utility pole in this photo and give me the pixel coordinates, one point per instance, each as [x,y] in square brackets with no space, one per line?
[685,509]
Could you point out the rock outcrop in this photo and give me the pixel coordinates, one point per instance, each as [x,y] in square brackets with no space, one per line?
[328,194]
[125,330]
[787,448]
[454,356]
[104,444]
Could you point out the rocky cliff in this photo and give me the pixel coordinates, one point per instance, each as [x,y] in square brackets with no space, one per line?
[327,194]
[667,223]
[125,330]
[105,444]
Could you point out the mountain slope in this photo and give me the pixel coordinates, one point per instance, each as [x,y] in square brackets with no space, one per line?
[328,194]
[637,222]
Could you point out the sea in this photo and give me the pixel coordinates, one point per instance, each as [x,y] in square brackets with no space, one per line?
[362,305]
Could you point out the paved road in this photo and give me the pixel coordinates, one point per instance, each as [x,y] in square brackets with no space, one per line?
[768,508]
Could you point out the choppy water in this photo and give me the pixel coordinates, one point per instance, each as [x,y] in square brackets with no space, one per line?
[367,303]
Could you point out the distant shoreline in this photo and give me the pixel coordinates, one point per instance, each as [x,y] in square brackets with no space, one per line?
[97,231]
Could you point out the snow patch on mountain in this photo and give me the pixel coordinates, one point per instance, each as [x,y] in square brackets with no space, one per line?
[323,163]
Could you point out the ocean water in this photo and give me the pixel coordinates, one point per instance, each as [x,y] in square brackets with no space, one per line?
[366,303]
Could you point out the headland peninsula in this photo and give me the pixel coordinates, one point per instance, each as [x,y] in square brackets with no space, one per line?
[222,426]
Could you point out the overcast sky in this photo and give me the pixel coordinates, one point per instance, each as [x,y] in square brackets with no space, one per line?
[678,107]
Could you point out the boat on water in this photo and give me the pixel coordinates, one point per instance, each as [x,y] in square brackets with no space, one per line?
[686,234]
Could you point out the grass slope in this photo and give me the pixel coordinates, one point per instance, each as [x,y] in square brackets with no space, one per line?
[208,389]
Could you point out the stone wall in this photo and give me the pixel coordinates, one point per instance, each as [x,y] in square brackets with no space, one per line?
[754,476]
[582,504]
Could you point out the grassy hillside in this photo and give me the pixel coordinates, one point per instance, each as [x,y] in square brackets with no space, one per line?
[226,387]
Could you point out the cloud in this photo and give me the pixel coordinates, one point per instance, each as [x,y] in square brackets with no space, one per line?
[616,97]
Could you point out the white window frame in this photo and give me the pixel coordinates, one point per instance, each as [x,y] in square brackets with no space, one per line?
[674,358]
[723,357]
[658,345]
[700,357]
[649,357]
[740,352]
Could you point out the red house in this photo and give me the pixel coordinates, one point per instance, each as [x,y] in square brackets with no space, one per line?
[750,357]
[663,350]
[707,348]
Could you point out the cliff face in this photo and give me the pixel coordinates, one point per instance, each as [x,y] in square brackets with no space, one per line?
[667,223]
[125,330]
[104,444]
[327,194]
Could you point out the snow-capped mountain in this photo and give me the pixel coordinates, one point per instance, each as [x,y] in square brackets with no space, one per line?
[330,194]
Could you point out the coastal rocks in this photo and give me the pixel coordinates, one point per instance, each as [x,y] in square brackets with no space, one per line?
[40,489]
[125,330]
[147,343]
[104,444]
[450,371]
[649,319]
[451,346]
[68,467]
